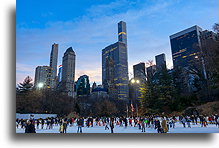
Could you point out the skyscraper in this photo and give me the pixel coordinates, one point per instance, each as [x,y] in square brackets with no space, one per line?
[115,66]
[185,46]
[160,62]
[68,72]
[41,75]
[122,34]
[53,66]
[187,55]
[139,72]
[150,72]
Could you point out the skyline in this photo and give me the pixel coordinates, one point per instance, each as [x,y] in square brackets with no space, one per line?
[91,27]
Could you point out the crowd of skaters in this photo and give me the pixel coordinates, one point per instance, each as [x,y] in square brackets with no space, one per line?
[161,124]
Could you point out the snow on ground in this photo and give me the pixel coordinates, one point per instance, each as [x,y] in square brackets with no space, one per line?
[211,128]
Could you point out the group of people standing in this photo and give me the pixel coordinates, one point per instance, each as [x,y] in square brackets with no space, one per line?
[202,119]
[160,123]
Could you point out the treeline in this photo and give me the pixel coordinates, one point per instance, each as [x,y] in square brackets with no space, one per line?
[31,100]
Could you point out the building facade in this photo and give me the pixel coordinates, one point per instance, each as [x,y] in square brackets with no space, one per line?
[187,55]
[68,72]
[52,79]
[83,86]
[115,66]
[185,47]
[160,62]
[139,72]
[151,70]
[122,34]
[41,76]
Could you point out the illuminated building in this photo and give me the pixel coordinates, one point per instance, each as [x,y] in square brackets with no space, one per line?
[115,66]
[185,46]
[187,56]
[122,34]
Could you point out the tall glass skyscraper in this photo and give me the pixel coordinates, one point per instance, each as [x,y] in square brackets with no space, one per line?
[185,47]
[122,34]
[186,55]
[115,66]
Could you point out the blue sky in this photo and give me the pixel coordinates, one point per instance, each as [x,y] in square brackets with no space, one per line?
[88,26]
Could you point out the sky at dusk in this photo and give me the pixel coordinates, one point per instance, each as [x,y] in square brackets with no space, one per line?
[88,26]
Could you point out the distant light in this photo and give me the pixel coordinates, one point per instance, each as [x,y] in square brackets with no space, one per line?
[133,80]
[137,81]
[40,85]
[196,57]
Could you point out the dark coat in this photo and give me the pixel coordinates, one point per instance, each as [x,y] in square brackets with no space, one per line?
[80,122]
[30,128]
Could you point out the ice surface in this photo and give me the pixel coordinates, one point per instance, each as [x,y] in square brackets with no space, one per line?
[211,128]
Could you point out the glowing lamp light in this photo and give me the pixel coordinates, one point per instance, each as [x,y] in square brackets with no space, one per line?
[40,85]
[137,81]
[133,81]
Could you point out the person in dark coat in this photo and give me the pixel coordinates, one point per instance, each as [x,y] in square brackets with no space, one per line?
[42,123]
[65,124]
[30,128]
[111,124]
[80,124]
[126,122]
[38,123]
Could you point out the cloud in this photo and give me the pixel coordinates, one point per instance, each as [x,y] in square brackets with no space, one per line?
[94,75]
[149,24]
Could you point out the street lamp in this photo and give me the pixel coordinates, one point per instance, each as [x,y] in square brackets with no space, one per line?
[40,85]
[135,84]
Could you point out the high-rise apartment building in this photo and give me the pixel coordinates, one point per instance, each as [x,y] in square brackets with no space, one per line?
[151,72]
[122,34]
[68,72]
[160,62]
[53,66]
[185,46]
[115,66]
[187,55]
[139,72]
[41,76]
